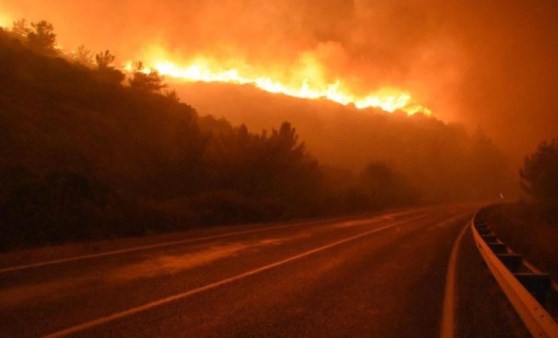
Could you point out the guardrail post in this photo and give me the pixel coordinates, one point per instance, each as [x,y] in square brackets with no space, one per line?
[511,260]
[498,248]
[484,231]
[490,238]
[536,283]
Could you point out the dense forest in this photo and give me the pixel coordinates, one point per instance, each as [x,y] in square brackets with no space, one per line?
[90,152]
[444,161]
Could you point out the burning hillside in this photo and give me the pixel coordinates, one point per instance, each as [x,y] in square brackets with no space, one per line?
[307,79]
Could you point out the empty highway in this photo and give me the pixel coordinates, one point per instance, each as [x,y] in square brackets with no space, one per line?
[382,275]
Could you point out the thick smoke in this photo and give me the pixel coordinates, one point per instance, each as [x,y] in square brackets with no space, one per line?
[490,64]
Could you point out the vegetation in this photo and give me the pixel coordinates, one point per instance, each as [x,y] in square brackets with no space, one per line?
[87,151]
[531,227]
[442,161]
[539,175]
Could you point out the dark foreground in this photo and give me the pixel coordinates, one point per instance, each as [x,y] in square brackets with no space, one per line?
[381,276]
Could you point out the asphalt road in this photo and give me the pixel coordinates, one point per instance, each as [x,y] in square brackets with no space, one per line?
[374,276]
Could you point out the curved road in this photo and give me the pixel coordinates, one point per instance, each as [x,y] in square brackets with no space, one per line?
[374,276]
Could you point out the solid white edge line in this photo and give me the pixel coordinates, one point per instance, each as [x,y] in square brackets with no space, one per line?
[447,329]
[147,306]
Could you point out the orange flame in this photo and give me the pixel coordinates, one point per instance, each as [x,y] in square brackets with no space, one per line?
[307,82]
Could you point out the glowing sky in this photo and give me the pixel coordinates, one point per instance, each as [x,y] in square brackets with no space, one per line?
[489,64]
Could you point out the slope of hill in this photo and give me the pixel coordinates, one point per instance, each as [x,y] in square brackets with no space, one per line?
[84,154]
[87,153]
[443,161]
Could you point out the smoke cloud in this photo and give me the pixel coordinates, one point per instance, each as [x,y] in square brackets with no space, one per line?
[489,64]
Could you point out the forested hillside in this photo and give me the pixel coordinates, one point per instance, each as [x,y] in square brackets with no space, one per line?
[445,161]
[87,151]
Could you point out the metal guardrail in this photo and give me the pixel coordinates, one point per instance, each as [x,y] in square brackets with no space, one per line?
[505,266]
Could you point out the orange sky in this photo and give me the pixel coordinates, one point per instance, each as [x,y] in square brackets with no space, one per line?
[486,63]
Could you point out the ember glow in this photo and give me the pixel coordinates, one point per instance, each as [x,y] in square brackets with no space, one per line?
[306,82]
[5,19]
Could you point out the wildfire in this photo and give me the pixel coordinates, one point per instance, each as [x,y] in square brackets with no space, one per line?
[5,20]
[308,84]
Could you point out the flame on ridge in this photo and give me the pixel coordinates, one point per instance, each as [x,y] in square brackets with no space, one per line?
[310,85]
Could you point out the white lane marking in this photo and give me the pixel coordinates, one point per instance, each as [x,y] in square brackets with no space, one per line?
[447,329]
[161,245]
[147,306]
[138,248]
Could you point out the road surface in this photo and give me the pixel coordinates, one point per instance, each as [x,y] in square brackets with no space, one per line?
[375,276]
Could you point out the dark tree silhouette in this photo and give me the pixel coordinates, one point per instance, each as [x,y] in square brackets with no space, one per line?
[105,70]
[172,95]
[146,81]
[41,38]
[20,29]
[84,57]
[104,60]
[539,175]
